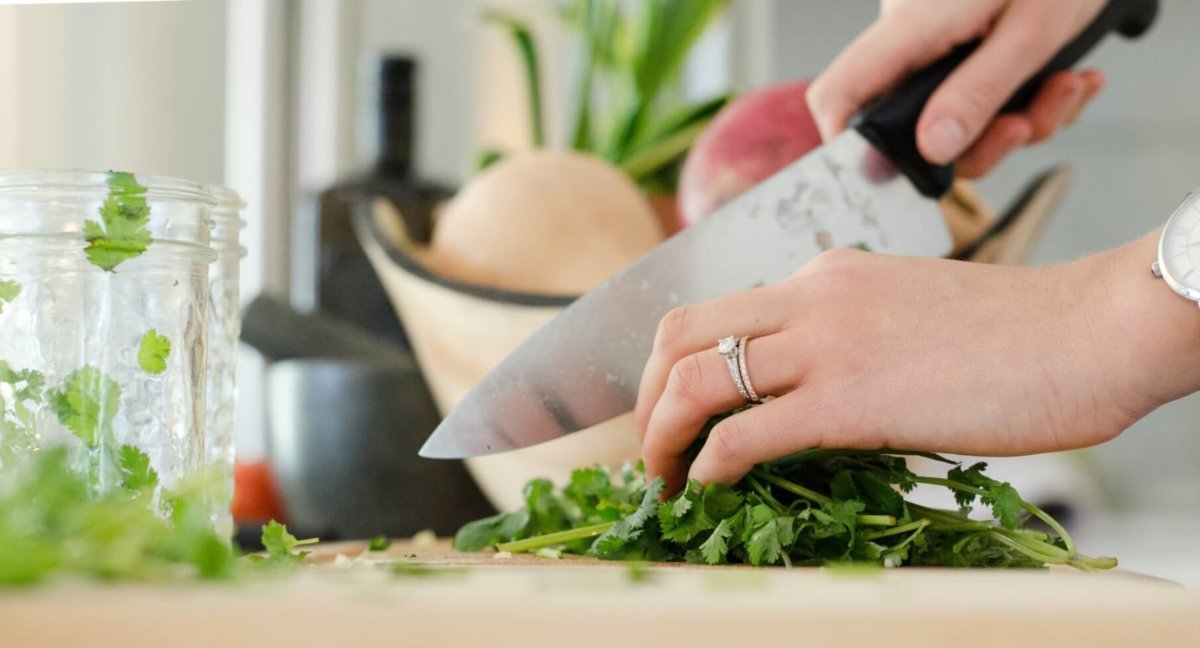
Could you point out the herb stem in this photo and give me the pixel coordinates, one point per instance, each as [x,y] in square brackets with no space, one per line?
[876,520]
[1032,509]
[791,487]
[550,539]
[903,528]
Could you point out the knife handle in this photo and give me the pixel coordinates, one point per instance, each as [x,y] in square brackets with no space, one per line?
[890,123]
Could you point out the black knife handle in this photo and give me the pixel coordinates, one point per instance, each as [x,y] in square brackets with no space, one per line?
[890,123]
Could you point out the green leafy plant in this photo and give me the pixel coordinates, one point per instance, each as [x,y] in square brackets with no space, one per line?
[815,507]
[153,352]
[625,105]
[122,232]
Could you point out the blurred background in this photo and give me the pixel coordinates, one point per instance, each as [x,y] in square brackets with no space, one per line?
[281,100]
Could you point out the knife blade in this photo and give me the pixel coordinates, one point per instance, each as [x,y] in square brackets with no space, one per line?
[867,187]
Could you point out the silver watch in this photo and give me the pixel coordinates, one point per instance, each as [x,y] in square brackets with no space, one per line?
[1179,249]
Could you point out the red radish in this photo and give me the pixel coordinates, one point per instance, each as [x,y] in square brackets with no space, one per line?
[749,140]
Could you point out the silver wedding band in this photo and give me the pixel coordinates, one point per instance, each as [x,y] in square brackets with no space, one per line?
[734,351]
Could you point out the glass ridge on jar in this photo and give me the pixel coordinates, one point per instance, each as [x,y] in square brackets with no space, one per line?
[103,320]
[224,328]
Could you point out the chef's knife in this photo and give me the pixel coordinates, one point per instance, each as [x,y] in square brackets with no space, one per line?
[868,187]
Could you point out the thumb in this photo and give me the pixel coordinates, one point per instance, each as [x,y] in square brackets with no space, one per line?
[969,100]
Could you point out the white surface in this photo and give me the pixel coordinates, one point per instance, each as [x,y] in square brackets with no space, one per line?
[1157,544]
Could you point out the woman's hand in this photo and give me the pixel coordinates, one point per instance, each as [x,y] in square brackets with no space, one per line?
[959,122]
[867,351]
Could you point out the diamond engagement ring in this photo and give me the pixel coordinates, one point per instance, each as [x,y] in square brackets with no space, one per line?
[728,348]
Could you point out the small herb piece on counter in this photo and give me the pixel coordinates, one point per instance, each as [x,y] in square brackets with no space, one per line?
[153,352]
[122,233]
[829,507]
[638,573]
[862,246]
[424,538]
[379,543]
[416,570]
[549,552]
[280,545]
[9,290]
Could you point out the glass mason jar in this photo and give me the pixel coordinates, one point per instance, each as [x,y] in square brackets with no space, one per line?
[103,319]
[224,327]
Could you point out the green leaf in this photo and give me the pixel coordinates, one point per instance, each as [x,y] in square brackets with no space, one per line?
[620,541]
[279,544]
[523,39]
[716,546]
[490,531]
[546,513]
[9,290]
[487,158]
[768,535]
[86,404]
[878,494]
[153,352]
[665,34]
[1006,504]
[379,543]
[123,232]
[683,517]
[136,474]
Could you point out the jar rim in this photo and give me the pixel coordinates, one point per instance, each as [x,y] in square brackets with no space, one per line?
[157,186]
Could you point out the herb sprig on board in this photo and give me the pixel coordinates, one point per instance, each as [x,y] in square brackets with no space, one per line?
[815,507]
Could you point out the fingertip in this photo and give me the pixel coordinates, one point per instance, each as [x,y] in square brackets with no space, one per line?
[942,139]
[1007,134]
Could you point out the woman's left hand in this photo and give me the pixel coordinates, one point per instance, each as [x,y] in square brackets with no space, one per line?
[867,351]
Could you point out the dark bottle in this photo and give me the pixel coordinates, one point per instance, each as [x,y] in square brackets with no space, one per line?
[339,280]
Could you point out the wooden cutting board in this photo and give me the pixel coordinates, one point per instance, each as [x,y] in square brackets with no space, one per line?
[479,600]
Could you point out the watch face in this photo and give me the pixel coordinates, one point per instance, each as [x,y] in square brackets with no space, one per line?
[1179,251]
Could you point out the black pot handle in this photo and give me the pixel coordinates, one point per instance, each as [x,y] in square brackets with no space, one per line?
[891,122]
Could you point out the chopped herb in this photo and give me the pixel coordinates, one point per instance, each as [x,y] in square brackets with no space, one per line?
[280,545]
[379,543]
[123,232]
[9,290]
[153,352]
[86,404]
[136,473]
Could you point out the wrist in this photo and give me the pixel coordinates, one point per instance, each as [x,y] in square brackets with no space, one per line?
[1149,334]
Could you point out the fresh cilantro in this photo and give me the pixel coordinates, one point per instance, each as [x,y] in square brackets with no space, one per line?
[379,543]
[122,232]
[153,352]
[487,532]
[715,548]
[9,290]
[136,473]
[814,507]
[86,404]
[280,545]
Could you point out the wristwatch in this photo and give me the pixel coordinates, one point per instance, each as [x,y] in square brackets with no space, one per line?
[1179,249]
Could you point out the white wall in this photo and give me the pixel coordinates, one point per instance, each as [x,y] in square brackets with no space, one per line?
[126,86]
